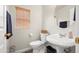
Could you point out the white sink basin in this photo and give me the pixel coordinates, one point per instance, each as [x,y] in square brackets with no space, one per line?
[60,41]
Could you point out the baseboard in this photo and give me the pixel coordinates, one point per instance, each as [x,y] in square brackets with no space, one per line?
[23,50]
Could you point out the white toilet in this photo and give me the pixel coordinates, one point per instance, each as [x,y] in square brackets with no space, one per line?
[39,46]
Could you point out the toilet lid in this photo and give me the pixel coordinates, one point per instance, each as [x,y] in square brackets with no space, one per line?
[36,43]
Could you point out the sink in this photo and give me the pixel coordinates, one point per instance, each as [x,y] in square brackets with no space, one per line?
[60,42]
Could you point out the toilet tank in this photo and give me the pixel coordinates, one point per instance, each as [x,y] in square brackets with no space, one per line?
[43,35]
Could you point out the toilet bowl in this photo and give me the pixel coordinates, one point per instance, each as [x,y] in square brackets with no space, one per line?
[39,46]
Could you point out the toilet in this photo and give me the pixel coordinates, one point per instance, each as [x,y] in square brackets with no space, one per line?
[39,45]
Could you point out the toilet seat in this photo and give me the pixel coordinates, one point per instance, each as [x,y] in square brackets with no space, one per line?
[36,43]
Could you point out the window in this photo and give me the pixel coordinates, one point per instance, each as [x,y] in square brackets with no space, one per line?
[22,17]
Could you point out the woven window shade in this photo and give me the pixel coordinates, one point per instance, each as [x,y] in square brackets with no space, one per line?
[22,17]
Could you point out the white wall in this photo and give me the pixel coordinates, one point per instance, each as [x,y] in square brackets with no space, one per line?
[64,13]
[61,13]
[77,20]
[3,44]
[21,36]
[77,27]
[48,19]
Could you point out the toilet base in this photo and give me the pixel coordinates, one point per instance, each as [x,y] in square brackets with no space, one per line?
[40,49]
